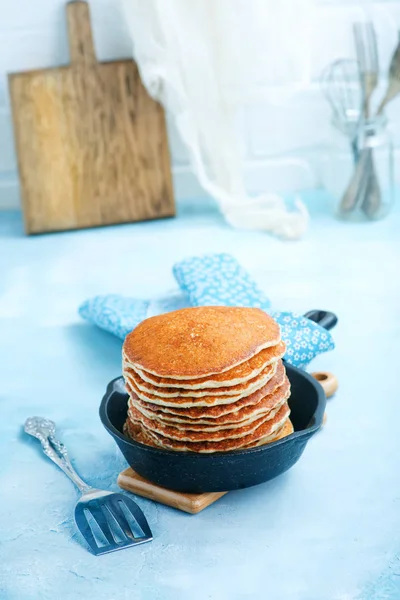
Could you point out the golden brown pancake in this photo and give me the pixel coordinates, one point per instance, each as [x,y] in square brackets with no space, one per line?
[137,433]
[220,410]
[148,391]
[286,430]
[158,424]
[197,342]
[269,428]
[239,374]
[185,401]
[210,434]
[189,401]
[264,406]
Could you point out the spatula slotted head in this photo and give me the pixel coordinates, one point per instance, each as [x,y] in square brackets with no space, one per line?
[111,522]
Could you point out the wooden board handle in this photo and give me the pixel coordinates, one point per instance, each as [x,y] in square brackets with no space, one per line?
[80,34]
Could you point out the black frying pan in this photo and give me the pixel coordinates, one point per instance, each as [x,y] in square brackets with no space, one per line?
[223,471]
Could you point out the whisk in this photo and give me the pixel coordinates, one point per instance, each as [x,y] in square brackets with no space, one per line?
[340,83]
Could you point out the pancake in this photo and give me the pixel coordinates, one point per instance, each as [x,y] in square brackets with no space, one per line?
[149,391]
[267,403]
[239,374]
[211,434]
[189,401]
[249,419]
[137,433]
[286,430]
[269,429]
[220,410]
[185,402]
[193,343]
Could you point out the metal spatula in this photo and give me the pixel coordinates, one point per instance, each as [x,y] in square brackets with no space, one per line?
[108,521]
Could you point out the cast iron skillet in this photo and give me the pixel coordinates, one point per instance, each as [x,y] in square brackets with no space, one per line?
[223,471]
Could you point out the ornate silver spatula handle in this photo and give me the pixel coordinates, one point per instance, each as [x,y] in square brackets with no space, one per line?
[44,430]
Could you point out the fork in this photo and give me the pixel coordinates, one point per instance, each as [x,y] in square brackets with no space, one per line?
[363,190]
[367,56]
[108,521]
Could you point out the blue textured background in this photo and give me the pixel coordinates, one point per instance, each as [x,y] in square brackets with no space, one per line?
[326,530]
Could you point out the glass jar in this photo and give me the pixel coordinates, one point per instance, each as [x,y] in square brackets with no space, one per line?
[370,191]
[341,158]
[362,170]
[375,142]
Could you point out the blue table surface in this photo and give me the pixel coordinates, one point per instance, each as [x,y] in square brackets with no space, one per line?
[329,529]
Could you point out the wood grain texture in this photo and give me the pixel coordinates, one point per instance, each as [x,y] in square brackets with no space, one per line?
[190,503]
[92,145]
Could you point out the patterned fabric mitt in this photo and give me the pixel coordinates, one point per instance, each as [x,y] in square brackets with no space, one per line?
[216,279]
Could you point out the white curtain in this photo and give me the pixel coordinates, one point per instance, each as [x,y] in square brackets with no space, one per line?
[204,60]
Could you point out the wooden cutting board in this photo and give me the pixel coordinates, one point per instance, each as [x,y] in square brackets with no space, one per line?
[92,145]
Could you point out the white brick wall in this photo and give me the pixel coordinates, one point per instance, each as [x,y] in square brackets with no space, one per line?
[286,141]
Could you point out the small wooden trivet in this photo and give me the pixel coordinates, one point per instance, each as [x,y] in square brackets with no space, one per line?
[191,503]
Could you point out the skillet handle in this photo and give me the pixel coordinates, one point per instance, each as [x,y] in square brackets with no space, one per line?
[329,384]
[328,381]
[326,319]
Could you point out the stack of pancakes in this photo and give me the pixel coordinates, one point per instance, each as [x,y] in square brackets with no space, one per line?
[206,379]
